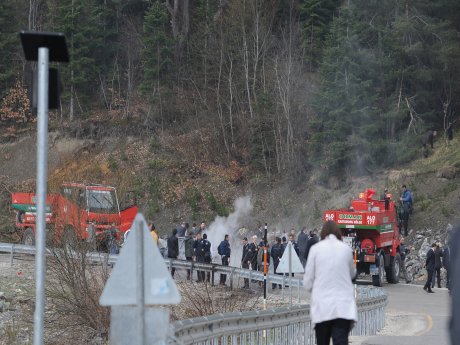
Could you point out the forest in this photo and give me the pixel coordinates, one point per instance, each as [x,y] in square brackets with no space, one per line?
[284,87]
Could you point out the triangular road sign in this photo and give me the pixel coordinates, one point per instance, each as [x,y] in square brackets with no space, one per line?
[296,265]
[159,287]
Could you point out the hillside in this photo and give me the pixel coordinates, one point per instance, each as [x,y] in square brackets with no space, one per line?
[172,184]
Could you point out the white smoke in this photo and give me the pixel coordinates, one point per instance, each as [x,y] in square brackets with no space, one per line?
[230,225]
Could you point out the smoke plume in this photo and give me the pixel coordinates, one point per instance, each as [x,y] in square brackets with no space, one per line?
[230,225]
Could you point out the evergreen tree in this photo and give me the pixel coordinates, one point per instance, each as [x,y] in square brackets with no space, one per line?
[317,15]
[9,43]
[83,23]
[158,51]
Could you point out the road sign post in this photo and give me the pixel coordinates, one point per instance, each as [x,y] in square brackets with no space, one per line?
[265,265]
[138,284]
[290,263]
[43,47]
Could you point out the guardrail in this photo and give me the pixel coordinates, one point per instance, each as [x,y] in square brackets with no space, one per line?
[281,326]
[235,275]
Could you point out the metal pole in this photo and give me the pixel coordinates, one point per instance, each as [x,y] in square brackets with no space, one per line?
[140,284]
[42,173]
[265,267]
[290,273]
[12,255]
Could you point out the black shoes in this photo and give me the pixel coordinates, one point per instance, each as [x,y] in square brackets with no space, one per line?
[430,291]
[425,288]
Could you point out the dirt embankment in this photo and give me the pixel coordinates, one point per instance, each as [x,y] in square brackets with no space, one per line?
[175,181]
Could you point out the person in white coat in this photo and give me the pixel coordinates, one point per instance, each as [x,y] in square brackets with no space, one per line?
[328,276]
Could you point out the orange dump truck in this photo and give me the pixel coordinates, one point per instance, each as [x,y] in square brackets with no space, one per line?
[85,210]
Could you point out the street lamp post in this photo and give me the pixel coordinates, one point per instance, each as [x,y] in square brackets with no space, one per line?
[44,47]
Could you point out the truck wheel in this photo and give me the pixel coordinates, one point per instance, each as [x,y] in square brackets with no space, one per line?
[377,280]
[28,237]
[395,263]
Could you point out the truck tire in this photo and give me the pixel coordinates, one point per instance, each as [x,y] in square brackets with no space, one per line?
[377,280]
[28,237]
[393,270]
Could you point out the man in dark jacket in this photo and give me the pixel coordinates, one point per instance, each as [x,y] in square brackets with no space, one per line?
[276,253]
[181,229]
[189,254]
[252,253]
[403,251]
[311,242]
[437,266]
[446,264]
[245,260]
[224,251]
[207,255]
[199,248]
[173,248]
[407,204]
[429,265]
[302,242]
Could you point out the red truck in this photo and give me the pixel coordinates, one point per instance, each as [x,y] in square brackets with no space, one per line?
[85,210]
[370,227]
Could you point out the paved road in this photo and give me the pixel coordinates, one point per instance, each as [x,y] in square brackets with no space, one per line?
[413,317]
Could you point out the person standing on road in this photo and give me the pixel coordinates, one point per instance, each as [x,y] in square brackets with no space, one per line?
[437,266]
[329,279]
[276,253]
[312,241]
[302,242]
[198,248]
[403,251]
[173,248]
[224,251]
[153,232]
[446,264]
[429,265]
[245,260]
[189,254]
[252,253]
[207,255]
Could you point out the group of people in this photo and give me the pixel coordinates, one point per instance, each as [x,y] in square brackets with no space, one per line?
[436,259]
[253,253]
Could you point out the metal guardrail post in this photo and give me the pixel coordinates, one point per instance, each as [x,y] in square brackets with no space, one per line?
[231,278]
[298,291]
[212,274]
[12,255]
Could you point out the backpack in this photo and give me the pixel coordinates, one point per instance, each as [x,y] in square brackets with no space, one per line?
[219,250]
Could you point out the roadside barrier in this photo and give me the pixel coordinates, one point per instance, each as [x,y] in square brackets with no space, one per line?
[281,326]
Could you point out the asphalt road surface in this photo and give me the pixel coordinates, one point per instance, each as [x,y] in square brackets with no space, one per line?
[413,317]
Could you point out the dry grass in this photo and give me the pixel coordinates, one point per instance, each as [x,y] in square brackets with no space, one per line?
[202,299]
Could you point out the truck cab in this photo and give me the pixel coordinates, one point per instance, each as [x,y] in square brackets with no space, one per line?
[86,211]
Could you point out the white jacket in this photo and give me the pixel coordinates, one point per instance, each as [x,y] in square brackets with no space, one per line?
[328,276]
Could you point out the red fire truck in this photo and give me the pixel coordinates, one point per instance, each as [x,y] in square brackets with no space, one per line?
[84,210]
[370,228]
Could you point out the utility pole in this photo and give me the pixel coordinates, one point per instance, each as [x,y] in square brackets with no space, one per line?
[265,266]
[43,47]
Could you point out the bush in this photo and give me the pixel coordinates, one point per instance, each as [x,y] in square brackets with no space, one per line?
[112,163]
[215,205]
[73,288]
